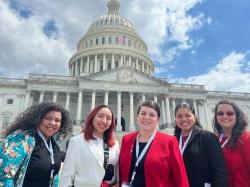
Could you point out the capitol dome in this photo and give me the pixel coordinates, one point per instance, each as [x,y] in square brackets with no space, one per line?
[110,42]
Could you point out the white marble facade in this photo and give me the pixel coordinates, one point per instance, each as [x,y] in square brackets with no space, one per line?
[111,66]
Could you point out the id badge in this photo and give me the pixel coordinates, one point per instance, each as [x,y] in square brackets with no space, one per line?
[125,185]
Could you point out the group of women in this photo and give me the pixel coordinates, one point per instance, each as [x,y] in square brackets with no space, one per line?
[192,157]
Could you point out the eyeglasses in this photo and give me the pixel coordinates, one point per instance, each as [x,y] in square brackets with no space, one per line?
[226,113]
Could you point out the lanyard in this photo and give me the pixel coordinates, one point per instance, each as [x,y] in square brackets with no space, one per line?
[51,153]
[182,148]
[225,142]
[142,153]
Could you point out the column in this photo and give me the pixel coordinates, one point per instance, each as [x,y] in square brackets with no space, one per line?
[81,66]
[104,62]
[131,109]
[79,106]
[76,68]
[142,66]
[137,64]
[195,108]
[163,112]
[93,100]
[95,64]
[121,60]
[155,98]
[143,97]
[113,62]
[27,99]
[129,61]
[118,117]
[55,97]
[41,97]
[87,69]
[173,105]
[207,125]
[67,101]
[168,111]
[106,98]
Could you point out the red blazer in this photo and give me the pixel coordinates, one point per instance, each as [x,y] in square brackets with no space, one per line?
[238,162]
[163,165]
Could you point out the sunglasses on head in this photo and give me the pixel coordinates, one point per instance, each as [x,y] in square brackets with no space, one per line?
[226,113]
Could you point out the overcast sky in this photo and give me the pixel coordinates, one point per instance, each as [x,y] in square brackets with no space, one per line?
[190,41]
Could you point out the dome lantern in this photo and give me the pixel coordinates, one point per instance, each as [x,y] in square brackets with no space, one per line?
[113,6]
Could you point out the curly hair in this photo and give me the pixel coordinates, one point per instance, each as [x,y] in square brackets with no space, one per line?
[177,130]
[33,116]
[240,125]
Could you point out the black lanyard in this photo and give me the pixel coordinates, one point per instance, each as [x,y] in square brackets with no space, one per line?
[106,154]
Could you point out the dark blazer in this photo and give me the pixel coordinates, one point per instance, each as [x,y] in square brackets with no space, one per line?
[204,160]
[163,165]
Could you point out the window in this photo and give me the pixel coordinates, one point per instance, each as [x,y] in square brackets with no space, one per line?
[116,40]
[110,40]
[129,42]
[6,119]
[96,41]
[86,44]
[103,40]
[109,65]
[91,43]
[9,101]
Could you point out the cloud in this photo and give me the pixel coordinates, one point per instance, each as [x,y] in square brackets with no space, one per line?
[232,73]
[164,22]
[37,36]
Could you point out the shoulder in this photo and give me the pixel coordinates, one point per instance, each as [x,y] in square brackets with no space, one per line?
[129,136]
[245,138]
[207,134]
[164,136]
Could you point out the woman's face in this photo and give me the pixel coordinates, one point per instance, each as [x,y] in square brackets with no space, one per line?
[50,124]
[185,120]
[226,117]
[102,121]
[147,119]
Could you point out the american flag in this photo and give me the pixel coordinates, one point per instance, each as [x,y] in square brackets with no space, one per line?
[121,40]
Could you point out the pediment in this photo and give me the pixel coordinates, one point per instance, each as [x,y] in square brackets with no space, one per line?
[126,75]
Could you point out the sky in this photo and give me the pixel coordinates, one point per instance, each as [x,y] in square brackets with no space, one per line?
[203,42]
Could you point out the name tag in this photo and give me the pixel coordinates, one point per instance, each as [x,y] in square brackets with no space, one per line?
[207,185]
[125,185]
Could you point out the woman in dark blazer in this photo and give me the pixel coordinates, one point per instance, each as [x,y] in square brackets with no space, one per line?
[161,163]
[201,150]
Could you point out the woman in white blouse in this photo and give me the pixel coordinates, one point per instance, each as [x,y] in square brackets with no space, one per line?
[92,156]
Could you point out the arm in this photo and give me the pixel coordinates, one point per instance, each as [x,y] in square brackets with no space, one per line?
[216,163]
[12,154]
[178,170]
[245,150]
[69,165]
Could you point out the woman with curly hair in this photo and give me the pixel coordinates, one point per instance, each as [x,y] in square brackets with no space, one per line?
[92,156]
[230,124]
[29,155]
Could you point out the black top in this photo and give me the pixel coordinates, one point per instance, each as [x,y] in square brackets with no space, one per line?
[204,161]
[39,167]
[139,180]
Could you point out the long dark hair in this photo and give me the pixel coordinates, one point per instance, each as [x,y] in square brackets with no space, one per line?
[239,127]
[89,128]
[177,130]
[33,116]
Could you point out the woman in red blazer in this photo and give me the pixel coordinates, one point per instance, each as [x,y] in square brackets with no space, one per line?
[230,123]
[149,158]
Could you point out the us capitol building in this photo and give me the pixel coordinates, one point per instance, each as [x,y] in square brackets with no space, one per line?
[111,66]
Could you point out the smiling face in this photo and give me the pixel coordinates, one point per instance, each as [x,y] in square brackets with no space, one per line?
[226,117]
[185,120]
[147,119]
[50,124]
[102,121]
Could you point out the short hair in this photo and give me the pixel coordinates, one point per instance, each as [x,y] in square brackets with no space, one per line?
[33,116]
[240,125]
[89,128]
[150,104]
[177,130]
